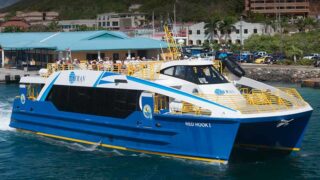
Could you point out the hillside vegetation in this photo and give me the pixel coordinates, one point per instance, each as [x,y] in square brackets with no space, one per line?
[187,10]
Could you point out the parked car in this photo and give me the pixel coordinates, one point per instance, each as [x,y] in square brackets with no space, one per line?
[209,55]
[317,63]
[278,56]
[259,54]
[311,56]
[246,57]
[264,60]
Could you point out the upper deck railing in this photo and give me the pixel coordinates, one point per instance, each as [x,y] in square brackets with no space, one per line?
[148,70]
[248,102]
[143,69]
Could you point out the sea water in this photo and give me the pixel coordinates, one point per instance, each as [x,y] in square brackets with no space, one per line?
[27,156]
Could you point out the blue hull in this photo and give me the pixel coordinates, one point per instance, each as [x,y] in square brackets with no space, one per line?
[183,136]
[272,133]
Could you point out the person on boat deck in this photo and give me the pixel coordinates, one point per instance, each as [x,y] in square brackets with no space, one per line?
[223,54]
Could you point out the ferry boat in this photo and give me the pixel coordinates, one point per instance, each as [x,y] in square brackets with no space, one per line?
[185,109]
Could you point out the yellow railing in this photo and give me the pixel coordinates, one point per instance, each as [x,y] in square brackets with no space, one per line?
[218,65]
[53,67]
[142,69]
[160,103]
[33,91]
[249,102]
[145,70]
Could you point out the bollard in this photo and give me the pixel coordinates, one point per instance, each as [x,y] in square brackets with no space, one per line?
[7,79]
[17,78]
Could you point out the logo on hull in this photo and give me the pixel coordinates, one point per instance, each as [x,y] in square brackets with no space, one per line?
[22,99]
[147,112]
[284,123]
[74,78]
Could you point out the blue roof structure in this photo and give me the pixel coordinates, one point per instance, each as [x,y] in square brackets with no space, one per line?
[77,41]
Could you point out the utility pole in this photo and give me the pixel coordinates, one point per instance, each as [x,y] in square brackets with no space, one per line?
[174,18]
[280,26]
[241,35]
[2,57]
[153,30]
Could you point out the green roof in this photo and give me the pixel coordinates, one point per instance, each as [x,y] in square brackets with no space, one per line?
[77,41]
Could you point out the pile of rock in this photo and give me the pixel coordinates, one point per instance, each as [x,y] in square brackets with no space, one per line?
[294,74]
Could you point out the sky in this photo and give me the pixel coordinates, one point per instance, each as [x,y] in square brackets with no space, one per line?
[5,3]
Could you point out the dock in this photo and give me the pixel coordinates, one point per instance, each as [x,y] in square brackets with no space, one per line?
[13,75]
[313,83]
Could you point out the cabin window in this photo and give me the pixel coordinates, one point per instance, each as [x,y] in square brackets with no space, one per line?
[169,71]
[117,103]
[205,74]
[180,72]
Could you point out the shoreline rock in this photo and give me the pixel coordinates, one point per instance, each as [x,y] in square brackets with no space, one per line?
[277,73]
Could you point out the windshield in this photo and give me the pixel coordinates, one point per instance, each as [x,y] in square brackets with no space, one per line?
[205,74]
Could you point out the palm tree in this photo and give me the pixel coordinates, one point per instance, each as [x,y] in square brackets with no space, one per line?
[294,52]
[269,24]
[53,26]
[311,23]
[306,23]
[211,27]
[284,23]
[226,26]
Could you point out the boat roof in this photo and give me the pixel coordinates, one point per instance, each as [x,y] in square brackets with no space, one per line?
[33,80]
[188,62]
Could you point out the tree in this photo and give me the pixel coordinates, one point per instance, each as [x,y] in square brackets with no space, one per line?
[10,15]
[53,26]
[226,26]
[284,24]
[311,23]
[13,29]
[38,28]
[293,52]
[305,23]
[255,17]
[211,27]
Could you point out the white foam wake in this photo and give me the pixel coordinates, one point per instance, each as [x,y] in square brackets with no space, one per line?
[5,116]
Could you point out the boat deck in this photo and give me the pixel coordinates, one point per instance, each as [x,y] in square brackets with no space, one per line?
[250,101]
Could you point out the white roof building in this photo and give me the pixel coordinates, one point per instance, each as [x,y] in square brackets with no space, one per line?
[71,25]
[121,21]
[243,30]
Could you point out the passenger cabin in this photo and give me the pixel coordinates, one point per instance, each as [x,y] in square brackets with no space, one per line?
[199,80]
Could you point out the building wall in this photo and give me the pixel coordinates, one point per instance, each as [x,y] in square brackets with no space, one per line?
[273,7]
[114,21]
[2,16]
[70,25]
[36,17]
[315,9]
[196,33]
[149,54]
[248,29]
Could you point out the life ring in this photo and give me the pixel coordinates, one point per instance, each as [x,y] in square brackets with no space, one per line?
[233,67]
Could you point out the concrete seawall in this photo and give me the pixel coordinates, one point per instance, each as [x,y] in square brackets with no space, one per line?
[14,72]
[281,73]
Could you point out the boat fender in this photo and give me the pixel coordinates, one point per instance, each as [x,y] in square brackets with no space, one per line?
[233,67]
